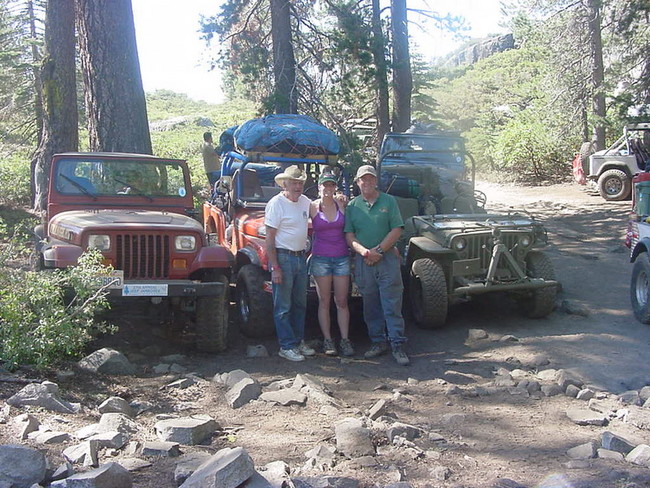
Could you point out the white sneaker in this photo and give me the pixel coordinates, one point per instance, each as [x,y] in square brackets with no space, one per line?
[305,350]
[291,354]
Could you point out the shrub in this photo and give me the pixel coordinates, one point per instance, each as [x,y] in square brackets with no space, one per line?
[15,180]
[49,316]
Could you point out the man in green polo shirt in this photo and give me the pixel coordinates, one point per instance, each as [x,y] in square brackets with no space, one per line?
[373,225]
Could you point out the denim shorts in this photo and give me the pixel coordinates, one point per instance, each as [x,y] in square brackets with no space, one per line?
[325,266]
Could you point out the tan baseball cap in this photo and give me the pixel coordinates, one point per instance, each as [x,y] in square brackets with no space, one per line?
[366,169]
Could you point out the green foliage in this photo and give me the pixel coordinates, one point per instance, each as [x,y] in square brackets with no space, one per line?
[504,108]
[47,317]
[178,124]
[15,169]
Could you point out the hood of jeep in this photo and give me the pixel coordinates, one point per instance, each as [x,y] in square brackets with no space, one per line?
[68,224]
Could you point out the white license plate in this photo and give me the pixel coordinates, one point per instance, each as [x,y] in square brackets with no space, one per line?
[144,290]
[113,281]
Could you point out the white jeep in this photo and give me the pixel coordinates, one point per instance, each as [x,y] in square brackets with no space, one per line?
[612,169]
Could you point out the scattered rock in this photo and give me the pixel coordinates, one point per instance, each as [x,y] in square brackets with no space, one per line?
[110,475]
[242,392]
[607,454]
[585,394]
[583,416]
[616,443]
[21,466]
[353,439]
[232,378]
[160,449]
[258,351]
[377,410]
[188,431]
[116,405]
[44,395]
[630,397]
[228,468]
[26,424]
[639,455]
[84,453]
[108,361]
[583,451]
[285,397]
[573,307]
[476,334]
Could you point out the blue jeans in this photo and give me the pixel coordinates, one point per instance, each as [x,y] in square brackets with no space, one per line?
[381,288]
[290,300]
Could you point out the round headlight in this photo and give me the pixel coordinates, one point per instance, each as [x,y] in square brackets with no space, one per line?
[101,242]
[524,241]
[185,243]
[459,244]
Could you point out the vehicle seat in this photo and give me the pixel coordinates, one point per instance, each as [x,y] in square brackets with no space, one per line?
[459,204]
[250,183]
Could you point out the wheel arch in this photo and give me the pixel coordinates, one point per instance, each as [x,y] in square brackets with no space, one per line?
[614,165]
[642,246]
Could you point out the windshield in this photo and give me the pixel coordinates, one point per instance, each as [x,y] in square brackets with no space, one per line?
[114,177]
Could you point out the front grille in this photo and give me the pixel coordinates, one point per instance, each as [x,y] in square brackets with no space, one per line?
[143,256]
[480,246]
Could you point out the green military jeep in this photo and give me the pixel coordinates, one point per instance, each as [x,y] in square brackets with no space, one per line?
[452,248]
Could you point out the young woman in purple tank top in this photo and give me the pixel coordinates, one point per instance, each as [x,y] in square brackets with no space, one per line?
[330,264]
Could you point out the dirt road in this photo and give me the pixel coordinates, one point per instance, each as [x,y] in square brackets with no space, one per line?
[488,434]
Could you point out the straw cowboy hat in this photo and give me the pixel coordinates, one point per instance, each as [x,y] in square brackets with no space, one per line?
[291,173]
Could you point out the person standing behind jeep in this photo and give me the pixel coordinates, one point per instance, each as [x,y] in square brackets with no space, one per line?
[286,219]
[211,161]
[373,225]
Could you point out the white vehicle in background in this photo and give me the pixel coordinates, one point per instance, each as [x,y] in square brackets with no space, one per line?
[612,169]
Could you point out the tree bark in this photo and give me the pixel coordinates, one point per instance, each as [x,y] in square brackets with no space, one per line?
[402,77]
[115,101]
[58,88]
[381,76]
[284,62]
[598,72]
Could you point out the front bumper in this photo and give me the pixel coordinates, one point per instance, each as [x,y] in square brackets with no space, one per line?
[170,288]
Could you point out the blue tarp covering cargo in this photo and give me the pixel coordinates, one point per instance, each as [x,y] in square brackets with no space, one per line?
[286,133]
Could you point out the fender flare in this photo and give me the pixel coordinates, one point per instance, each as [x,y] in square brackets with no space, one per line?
[642,246]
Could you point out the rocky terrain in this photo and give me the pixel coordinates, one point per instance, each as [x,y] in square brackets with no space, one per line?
[492,400]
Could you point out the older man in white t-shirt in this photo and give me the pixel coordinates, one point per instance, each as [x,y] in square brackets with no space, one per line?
[286,221]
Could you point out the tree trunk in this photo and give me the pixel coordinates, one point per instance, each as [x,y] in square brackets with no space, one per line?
[381,76]
[38,94]
[59,95]
[115,102]
[598,72]
[284,63]
[402,77]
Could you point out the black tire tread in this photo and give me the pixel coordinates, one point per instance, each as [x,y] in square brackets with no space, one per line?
[641,310]
[212,320]
[625,181]
[541,301]
[429,276]
[250,280]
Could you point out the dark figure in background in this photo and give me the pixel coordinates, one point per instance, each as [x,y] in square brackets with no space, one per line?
[211,160]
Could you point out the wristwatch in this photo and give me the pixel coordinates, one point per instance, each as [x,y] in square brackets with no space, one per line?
[379,250]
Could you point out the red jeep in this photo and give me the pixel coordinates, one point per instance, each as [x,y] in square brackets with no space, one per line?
[234,218]
[138,211]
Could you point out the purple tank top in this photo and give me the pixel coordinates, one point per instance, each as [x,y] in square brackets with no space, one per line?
[329,239]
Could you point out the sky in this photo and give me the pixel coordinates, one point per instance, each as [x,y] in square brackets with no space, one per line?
[173,57]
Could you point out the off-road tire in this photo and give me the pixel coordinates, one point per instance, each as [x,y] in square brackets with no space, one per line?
[428,293]
[212,320]
[640,288]
[541,301]
[254,305]
[614,185]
